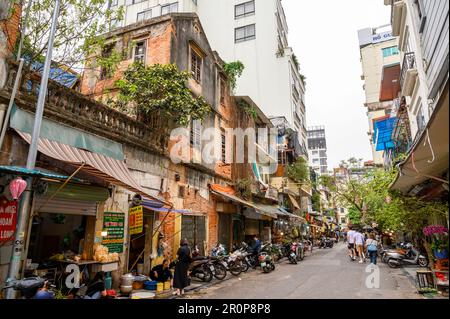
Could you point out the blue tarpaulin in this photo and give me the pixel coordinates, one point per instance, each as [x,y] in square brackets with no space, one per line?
[57,74]
[383,134]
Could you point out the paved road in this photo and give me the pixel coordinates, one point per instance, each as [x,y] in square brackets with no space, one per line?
[327,274]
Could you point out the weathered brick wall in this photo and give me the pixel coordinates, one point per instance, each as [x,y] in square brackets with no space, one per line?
[10,26]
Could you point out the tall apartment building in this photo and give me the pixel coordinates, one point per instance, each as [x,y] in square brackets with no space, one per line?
[380,59]
[253,32]
[317,149]
[422,27]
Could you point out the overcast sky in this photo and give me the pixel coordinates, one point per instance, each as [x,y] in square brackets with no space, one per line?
[324,36]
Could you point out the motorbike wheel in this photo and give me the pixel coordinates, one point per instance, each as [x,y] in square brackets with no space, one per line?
[234,268]
[220,272]
[245,266]
[267,269]
[207,274]
[272,265]
[391,263]
[293,260]
[423,262]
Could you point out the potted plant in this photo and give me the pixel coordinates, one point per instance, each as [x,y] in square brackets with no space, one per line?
[438,235]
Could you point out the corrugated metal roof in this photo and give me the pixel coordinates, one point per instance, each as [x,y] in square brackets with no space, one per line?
[113,171]
[34,172]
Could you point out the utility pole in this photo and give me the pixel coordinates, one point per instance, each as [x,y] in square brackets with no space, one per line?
[25,203]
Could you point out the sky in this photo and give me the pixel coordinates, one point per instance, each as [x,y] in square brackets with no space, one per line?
[324,36]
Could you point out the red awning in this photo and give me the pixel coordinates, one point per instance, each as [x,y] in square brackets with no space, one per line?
[113,171]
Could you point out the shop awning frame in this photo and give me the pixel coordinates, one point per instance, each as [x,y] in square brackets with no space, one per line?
[238,200]
[23,171]
[111,170]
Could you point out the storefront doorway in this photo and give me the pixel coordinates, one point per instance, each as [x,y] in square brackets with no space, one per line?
[193,228]
[225,231]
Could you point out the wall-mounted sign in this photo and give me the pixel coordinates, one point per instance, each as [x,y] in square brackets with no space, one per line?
[8,219]
[381,37]
[136,220]
[113,224]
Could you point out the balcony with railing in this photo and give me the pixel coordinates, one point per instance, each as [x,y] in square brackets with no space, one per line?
[65,105]
[401,135]
[408,73]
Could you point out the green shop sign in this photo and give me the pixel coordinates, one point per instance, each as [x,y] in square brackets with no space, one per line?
[113,223]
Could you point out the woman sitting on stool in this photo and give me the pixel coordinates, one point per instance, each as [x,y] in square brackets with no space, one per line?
[161,273]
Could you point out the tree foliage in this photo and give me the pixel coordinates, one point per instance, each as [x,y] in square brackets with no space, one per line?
[160,90]
[81,24]
[234,70]
[299,171]
[370,199]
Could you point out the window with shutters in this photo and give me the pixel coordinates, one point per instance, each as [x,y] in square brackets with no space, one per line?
[224,140]
[106,71]
[196,65]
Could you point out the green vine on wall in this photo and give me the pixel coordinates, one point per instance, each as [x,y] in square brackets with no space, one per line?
[162,90]
[248,109]
[233,70]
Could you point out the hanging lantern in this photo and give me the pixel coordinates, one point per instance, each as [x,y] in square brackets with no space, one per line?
[17,186]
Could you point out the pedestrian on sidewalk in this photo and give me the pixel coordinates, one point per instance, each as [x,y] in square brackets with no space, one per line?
[359,241]
[351,243]
[181,280]
[372,248]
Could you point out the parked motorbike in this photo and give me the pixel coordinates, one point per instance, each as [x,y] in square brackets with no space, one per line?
[411,257]
[296,252]
[265,259]
[232,262]
[28,287]
[326,243]
[200,267]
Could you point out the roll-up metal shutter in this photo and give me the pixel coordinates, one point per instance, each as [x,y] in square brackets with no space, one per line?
[65,206]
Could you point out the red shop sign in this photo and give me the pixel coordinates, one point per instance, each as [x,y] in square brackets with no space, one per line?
[8,219]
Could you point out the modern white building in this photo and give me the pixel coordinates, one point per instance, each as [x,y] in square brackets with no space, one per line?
[317,149]
[380,59]
[253,32]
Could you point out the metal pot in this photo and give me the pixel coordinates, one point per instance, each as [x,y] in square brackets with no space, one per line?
[126,289]
[127,280]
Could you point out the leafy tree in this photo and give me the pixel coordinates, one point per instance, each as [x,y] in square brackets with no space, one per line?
[315,199]
[160,90]
[81,24]
[299,171]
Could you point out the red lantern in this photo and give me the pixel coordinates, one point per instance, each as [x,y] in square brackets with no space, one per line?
[17,186]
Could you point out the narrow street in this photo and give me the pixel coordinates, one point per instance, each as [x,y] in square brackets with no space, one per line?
[327,274]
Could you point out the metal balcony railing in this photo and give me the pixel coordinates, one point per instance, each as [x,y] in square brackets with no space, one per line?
[409,63]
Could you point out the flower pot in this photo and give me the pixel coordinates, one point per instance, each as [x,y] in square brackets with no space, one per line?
[443,254]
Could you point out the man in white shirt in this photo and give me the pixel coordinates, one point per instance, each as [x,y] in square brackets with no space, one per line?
[351,243]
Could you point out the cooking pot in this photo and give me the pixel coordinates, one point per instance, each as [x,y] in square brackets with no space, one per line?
[127,280]
[126,289]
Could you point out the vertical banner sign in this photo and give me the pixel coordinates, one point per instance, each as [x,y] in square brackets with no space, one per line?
[114,224]
[8,219]
[136,220]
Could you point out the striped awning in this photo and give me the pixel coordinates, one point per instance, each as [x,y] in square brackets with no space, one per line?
[111,170]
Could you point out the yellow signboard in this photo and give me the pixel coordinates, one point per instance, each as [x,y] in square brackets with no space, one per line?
[136,220]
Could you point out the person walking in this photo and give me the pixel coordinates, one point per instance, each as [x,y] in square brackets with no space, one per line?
[359,241]
[372,248]
[351,243]
[181,280]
